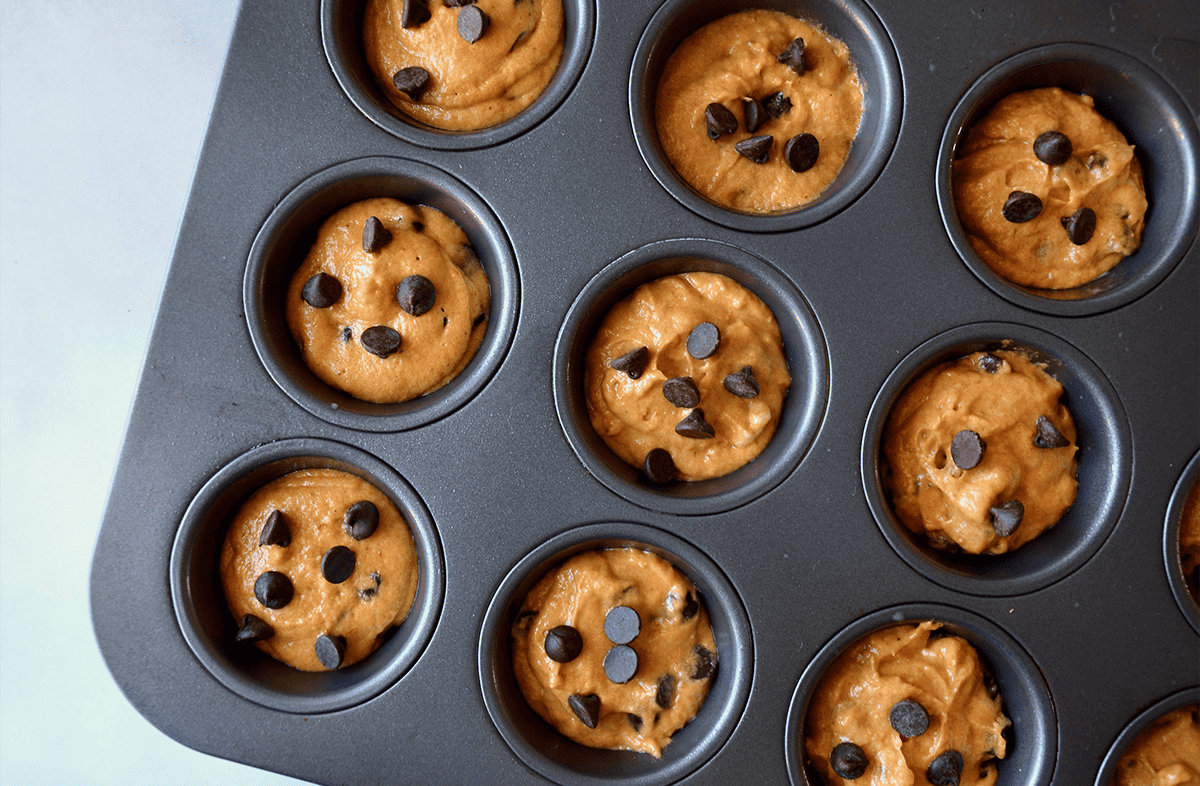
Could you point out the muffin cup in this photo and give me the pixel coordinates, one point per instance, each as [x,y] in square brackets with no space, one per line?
[804,348]
[541,746]
[1108,767]
[1153,119]
[208,625]
[1032,738]
[342,37]
[285,240]
[871,51]
[1105,465]
[1171,556]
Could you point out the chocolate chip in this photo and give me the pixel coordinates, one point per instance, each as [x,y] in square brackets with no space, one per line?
[337,564]
[633,362]
[719,121]
[1052,147]
[690,606]
[620,664]
[681,392]
[1048,436]
[375,236]
[380,340]
[1022,206]
[1080,225]
[347,334]
[254,629]
[705,665]
[848,760]
[587,708]
[563,644]
[909,718]
[634,720]
[413,80]
[946,769]
[273,589]
[694,426]
[664,695]
[331,650]
[801,152]
[1007,517]
[703,341]
[967,449]
[622,624]
[756,148]
[793,56]
[414,13]
[361,519]
[416,294]
[321,291]
[742,383]
[776,105]
[472,23]
[752,115]
[990,363]
[659,467]
[276,531]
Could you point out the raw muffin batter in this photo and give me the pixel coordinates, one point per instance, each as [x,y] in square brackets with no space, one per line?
[394,322]
[463,66]
[1189,541]
[1049,192]
[316,566]
[1166,753]
[979,453]
[906,705]
[686,377]
[614,649]
[773,79]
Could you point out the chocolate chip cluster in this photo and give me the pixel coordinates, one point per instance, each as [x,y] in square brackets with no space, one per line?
[909,719]
[1052,148]
[472,23]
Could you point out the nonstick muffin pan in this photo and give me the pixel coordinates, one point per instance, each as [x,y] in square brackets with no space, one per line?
[1087,631]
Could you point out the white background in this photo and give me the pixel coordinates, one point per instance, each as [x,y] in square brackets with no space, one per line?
[103,106]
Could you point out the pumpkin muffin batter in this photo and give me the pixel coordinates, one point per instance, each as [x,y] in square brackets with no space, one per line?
[906,705]
[757,110]
[391,303]
[317,565]
[614,649]
[1166,753]
[979,453]
[686,377]
[463,66]
[1189,541]
[1049,192]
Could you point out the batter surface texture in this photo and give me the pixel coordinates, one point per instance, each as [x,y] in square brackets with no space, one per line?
[1166,753]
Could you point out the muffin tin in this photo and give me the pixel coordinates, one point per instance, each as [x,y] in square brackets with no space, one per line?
[570,205]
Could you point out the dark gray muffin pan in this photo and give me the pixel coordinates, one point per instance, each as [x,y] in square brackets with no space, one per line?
[1089,631]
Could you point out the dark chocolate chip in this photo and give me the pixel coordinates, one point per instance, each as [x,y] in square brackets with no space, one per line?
[375,235]
[367,593]
[620,664]
[321,291]
[1052,147]
[1048,436]
[776,105]
[967,449]
[633,362]
[990,363]
[587,708]
[347,334]
[563,644]
[909,718]
[742,383]
[664,696]
[704,665]
[472,23]
[1080,225]
[752,115]
[946,769]
[793,56]
[337,564]
[681,392]
[416,294]
[756,148]
[1022,206]
[801,152]
[414,13]
[413,80]
[361,519]
[331,650]
[694,426]
[254,629]
[634,720]
[273,589]
[690,606]
[703,341]
[622,624]
[659,467]
[719,121]
[848,760]
[1007,517]
[380,340]
[276,531]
